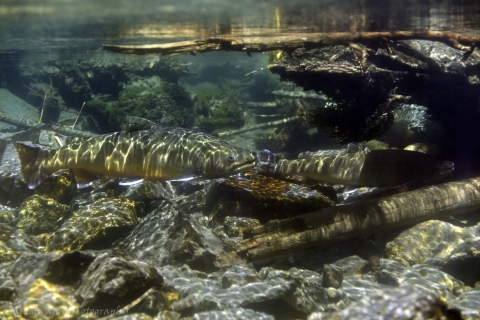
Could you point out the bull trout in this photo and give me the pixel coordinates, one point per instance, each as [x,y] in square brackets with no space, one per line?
[157,153]
[366,168]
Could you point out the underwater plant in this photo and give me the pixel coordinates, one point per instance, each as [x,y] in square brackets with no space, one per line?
[216,110]
[168,104]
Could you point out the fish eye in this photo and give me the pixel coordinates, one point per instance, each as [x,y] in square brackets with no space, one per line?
[440,164]
[230,158]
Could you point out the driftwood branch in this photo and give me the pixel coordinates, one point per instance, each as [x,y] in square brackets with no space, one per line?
[342,222]
[20,122]
[44,96]
[28,124]
[78,116]
[257,126]
[71,132]
[290,42]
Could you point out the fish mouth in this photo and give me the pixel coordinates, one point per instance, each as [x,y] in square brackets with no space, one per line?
[445,168]
[248,164]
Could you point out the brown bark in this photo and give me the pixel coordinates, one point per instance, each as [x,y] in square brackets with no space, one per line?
[342,222]
[290,42]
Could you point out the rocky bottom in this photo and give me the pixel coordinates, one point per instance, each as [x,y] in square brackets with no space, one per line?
[147,251]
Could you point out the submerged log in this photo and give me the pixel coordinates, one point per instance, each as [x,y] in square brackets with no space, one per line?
[290,42]
[343,222]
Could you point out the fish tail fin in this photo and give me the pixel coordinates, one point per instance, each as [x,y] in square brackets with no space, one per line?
[31,171]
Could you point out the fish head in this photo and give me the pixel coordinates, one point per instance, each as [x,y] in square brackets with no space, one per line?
[225,160]
[441,169]
[444,166]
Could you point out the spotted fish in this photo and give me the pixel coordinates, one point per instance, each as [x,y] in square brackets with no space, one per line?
[156,153]
[366,168]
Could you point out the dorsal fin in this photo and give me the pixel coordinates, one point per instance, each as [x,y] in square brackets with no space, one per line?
[356,147]
[133,123]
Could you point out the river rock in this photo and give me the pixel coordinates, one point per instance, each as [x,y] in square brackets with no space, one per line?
[261,198]
[233,313]
[332,276]
[239,275]
[437,239]
[427,277]
[469,303]
[252,293]
[45,300]
[181,282]
[392,303]
[39,214]
[148,191]
[59,186]
[112,281]
[353,266]
[307,294]
[79,283]
[7,214]
[14,189]
[13,243]
[28,268]
[168,235]
[95,226]
[7,288]
[140,316]
[463,262]
[16,108]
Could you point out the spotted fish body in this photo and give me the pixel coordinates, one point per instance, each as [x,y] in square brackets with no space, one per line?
[366,168]
[157,153]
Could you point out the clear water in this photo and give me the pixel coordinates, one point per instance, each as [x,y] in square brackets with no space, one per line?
[49,33]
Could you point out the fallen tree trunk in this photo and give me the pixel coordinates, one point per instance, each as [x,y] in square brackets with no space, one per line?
[290,42]
[342,222]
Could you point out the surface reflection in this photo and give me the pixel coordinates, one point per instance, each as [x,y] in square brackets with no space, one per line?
[177,19]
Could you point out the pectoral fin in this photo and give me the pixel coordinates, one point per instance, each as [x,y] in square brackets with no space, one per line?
[84,178]
[188,178]
[129,182]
